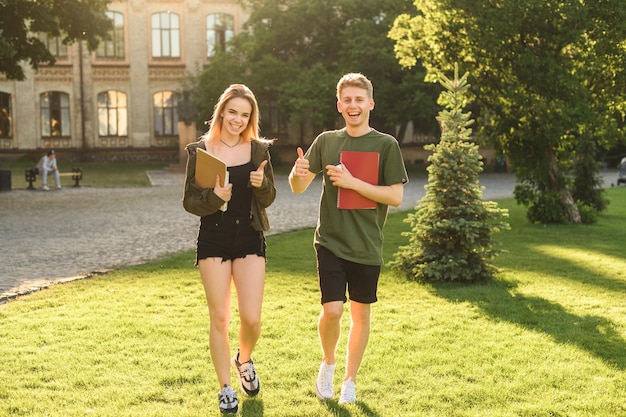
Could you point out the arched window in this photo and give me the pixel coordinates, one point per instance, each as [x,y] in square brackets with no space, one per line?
[113,47]
[112,114]
[165,35]
[6,116]
[220,28]
[55,114]
[165,113]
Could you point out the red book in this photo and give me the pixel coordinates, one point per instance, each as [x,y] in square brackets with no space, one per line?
[364,166]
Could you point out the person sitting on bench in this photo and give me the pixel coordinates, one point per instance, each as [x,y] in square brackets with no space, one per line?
[48,165]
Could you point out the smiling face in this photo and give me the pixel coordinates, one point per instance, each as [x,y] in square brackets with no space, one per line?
[235,117]
[355,105]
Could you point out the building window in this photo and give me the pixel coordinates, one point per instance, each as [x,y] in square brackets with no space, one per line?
[113,47]
[165,113]
[6,116]
[220,28]
[55,114]
[112,114]
[54,44]
[165,35]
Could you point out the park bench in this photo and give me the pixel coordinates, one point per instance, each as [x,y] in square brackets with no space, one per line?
[31,176]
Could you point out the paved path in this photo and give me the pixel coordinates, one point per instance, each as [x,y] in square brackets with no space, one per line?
[47,237]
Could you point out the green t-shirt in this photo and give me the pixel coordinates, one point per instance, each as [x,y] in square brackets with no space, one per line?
[354,235]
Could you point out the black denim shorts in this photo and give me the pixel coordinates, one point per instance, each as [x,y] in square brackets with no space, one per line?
[228,238]
[336,274]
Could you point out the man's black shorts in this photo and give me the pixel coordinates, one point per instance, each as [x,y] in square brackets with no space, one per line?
[336,275]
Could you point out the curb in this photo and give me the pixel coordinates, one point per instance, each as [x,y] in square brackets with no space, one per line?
[8,296]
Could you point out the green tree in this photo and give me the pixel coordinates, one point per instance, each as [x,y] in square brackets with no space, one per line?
[293,52]
[450,238]
[22,20]
[547,73]
[586,189]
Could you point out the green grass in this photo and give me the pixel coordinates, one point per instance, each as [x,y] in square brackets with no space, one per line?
[95,174]
[547,338]
[100,174]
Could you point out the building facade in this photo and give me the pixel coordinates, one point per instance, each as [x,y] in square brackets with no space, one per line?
[121,98]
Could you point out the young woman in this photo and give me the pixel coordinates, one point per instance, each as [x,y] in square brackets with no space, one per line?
[231,244]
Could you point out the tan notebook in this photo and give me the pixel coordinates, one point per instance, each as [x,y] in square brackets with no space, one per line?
[207,168]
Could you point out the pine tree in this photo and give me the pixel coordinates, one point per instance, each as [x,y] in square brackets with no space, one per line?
[450,237]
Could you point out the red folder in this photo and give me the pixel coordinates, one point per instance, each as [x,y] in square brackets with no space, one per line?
[364,166]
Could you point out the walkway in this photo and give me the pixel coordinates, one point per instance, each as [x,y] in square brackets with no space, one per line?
[55,236]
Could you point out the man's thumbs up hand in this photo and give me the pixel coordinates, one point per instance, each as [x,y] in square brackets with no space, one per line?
[301,167]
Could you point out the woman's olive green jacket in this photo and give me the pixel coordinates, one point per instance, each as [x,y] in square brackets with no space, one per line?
[203,201]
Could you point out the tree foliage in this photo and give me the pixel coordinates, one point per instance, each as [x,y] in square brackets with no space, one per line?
[586,189]
[22,20]
[293,52]
[450,238]
[547,73]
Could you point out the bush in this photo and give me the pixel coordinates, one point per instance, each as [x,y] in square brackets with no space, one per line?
[546,208]
[588,214]
[587,186]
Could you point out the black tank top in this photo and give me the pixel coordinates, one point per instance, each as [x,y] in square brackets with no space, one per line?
[241,198]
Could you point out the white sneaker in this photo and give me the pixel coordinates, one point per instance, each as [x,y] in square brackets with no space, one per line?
[324,386]
[247,376]
[228,400]
[348,392]
[45,188]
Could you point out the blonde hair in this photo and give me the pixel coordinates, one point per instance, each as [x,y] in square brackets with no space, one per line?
[234,91]
[355,79]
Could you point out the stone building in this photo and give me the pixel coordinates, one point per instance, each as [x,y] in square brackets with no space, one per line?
[119,101]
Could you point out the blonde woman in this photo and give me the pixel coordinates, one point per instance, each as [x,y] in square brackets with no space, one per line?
[231,244]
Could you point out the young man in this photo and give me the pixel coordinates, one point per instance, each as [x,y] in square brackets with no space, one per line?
[48,165]
[349,242]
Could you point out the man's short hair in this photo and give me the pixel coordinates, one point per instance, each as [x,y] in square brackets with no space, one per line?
[50,152]
[355,79]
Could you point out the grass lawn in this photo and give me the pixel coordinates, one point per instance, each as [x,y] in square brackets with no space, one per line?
[114,174]
[547,338]
[95,174]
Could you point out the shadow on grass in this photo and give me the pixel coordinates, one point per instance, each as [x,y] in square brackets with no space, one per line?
[251,407]
[594,334]
[344,411]
[584,273]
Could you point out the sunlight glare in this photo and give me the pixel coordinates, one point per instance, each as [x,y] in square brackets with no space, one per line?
[611,266]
